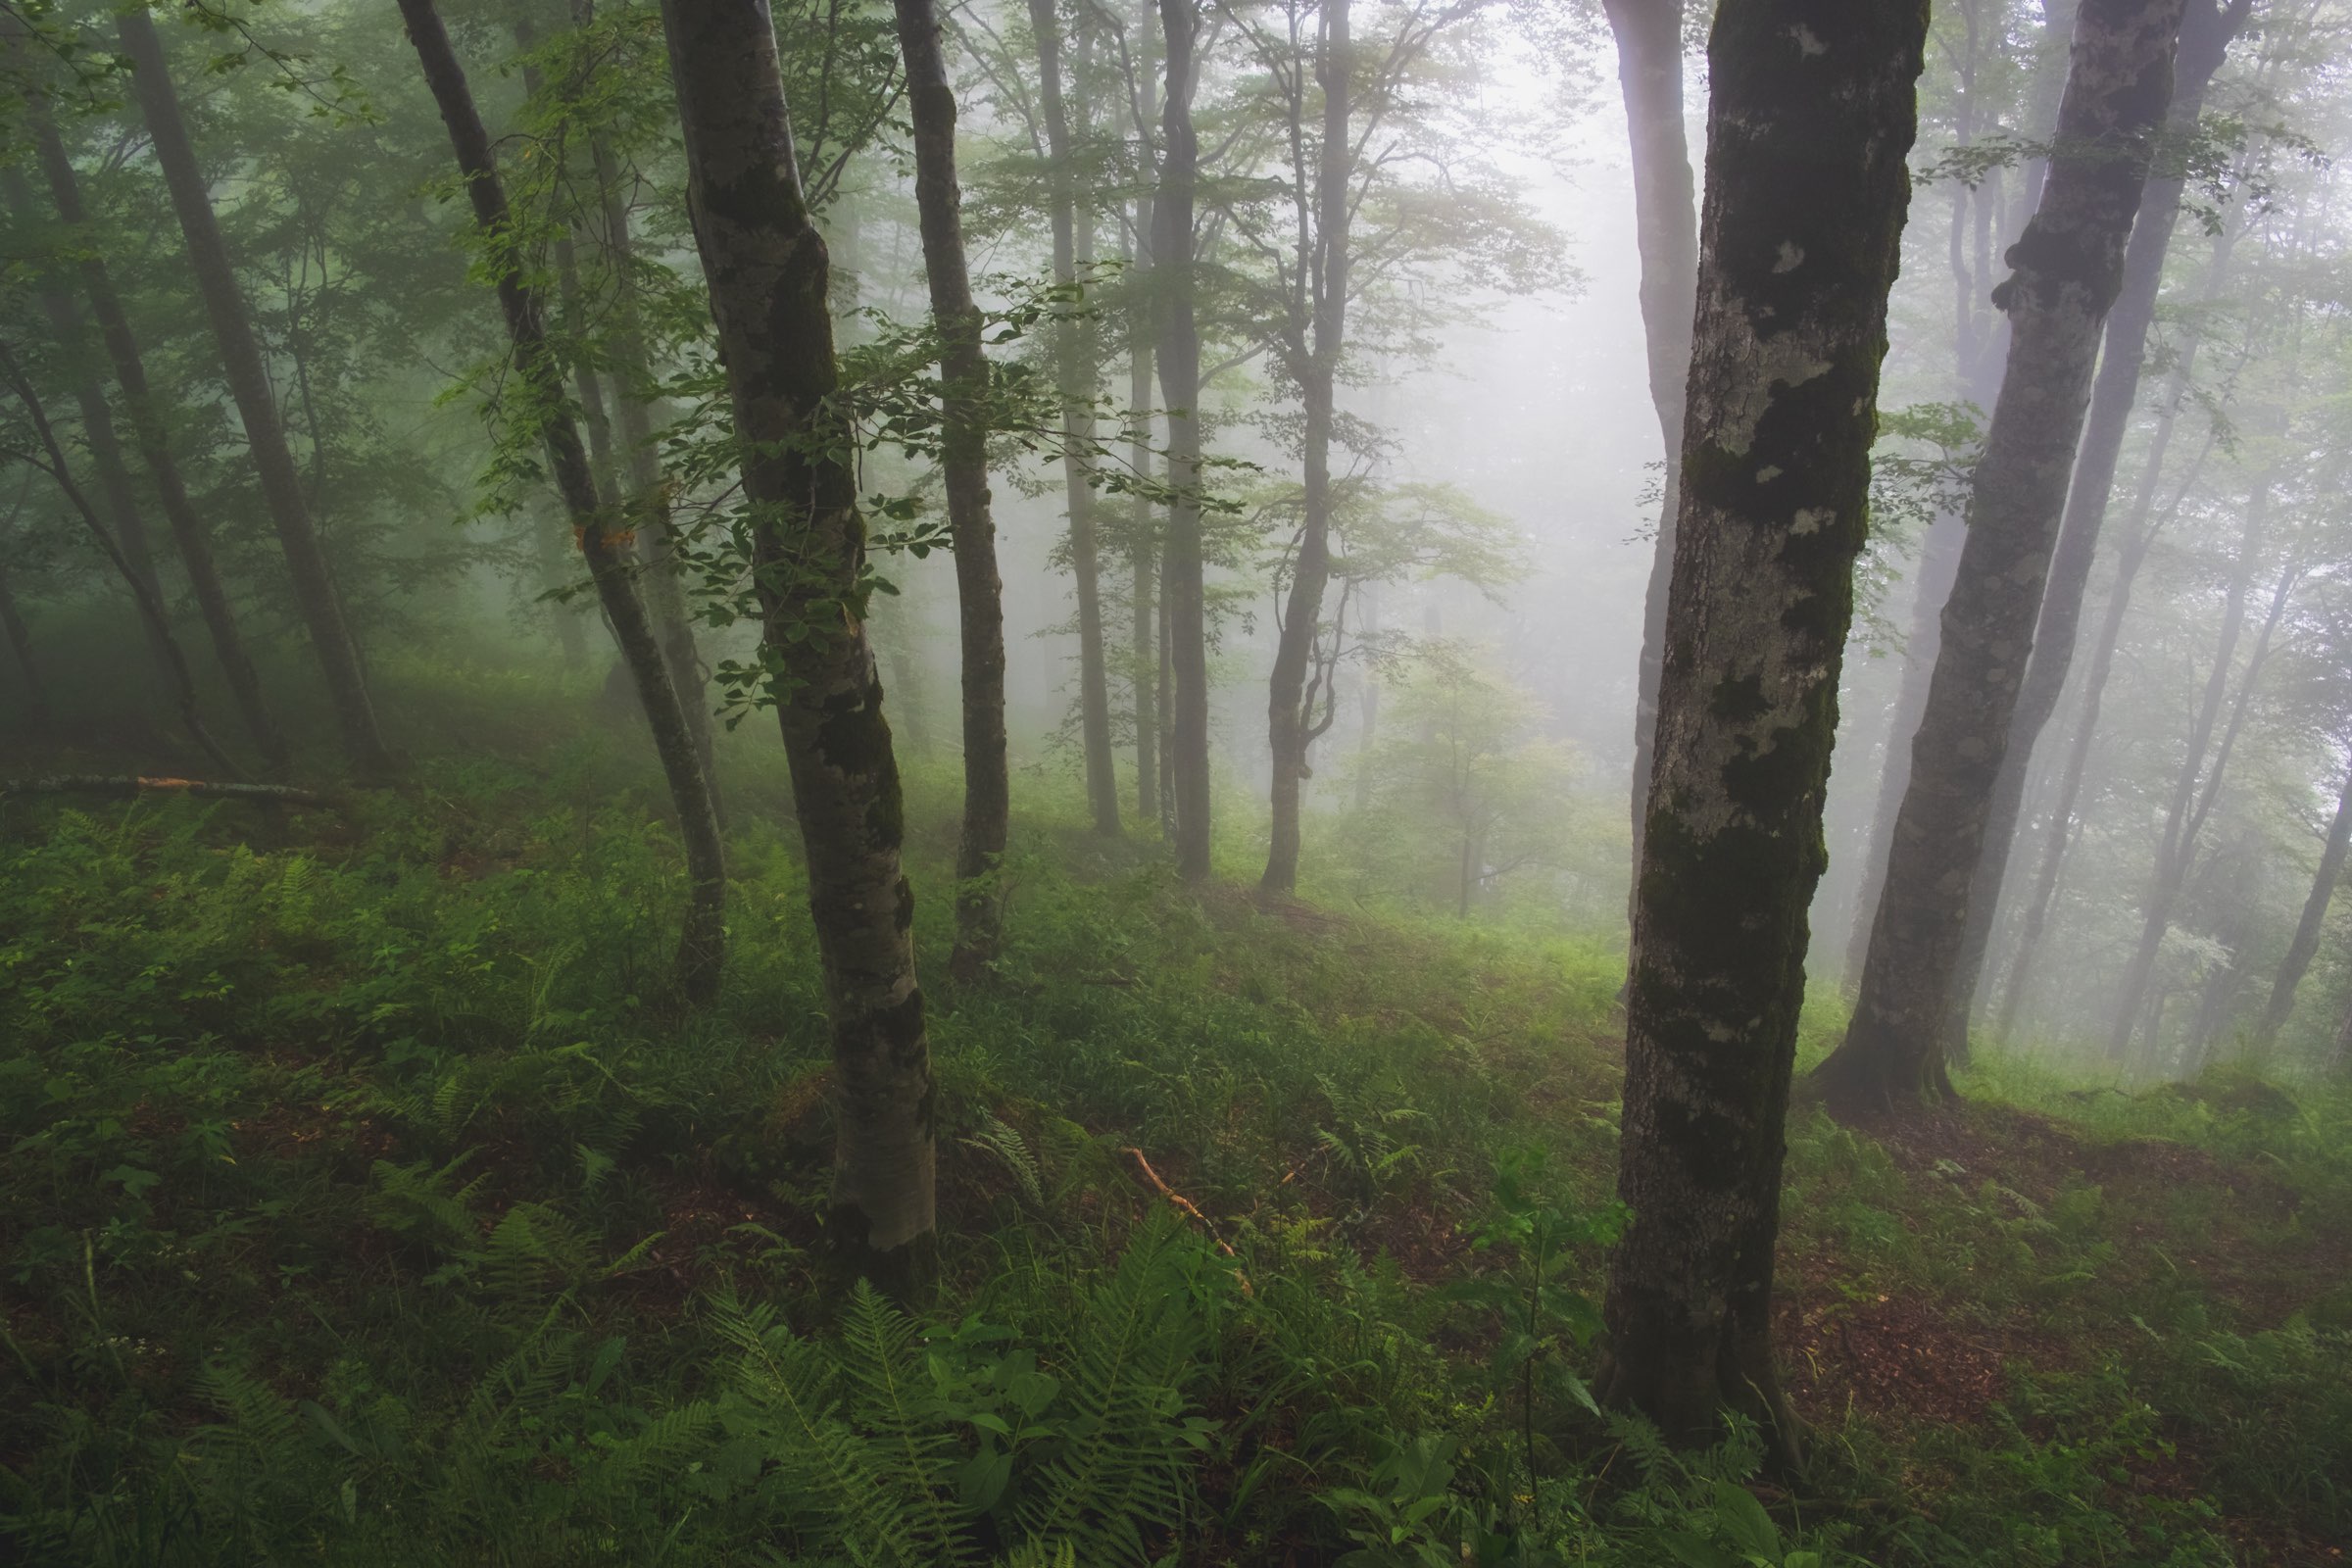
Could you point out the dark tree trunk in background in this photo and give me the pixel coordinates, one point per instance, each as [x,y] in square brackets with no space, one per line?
[1807,192]
[2306,941]
[547,538]
[123,512]
[2206,32]
[768,275]
[248,377]
[189,535]
[20,643]
[2139,537]
[963,462]
[1649,75]
[1181,578]
[2069,268]
[177,676]
[1313,354]
[1074,356]
[1145,549]
[2195,787]
[702,948]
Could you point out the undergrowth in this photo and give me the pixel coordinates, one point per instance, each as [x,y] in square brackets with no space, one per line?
[362,1201]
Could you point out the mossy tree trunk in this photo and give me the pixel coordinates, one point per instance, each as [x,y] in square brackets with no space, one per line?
[190,538]
[1182,595]
[2206,32]
[314,594]
[1311,349]
[768,273]
[963,464]
[702,948]
[1812,115]
[1649,75]
[2067,270]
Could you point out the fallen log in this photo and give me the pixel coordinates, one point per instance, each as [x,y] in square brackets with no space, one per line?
[125,787]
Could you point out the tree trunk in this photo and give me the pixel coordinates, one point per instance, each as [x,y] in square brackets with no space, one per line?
[2306,941]
[767,271]
[20,643]
[2138,539]
[122,513]
[2069,269]
[702,947]
[1322,301]
[1181,578]
[1145,551]
[548,540]
[151,608]
[2205,34]
[189,535]
[964,462]
[1807,190]
[1074,356]
[1650,76]
[248,380]
[2194,787]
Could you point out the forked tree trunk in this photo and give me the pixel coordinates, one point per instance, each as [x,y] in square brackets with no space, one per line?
[1181,575]
[189,535]
[2306,941]
[1812,115]
[702,947]
[1074,357]
[1649,75]
[963,464]
[768,271]
[1314,354]
[314,595]
[2069,268]
[2205,31]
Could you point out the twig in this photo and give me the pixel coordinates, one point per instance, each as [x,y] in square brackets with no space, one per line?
[1191,1210]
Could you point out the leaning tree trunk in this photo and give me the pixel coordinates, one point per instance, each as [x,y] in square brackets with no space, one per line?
[2139,538]
[963,464]
[189,535]
[702,947]
[1807,192]
[130,523]
[1074,358]
[2306,941]
[2069,268]
[248,377]
[1649,75]
[1322,277]
[2205,31]
[768,272]
[1181,578]
[176,671]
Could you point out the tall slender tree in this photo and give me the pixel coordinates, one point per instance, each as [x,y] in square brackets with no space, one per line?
[2206,32]
[702,947]
[963,464]
[1174,252]
[1649,74]
[1074,363]
[2067,270]
[248,376]
[768,275]
[1812,114]
[2305,944]
[191,538]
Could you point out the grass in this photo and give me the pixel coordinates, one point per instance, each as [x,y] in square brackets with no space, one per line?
[361,1201]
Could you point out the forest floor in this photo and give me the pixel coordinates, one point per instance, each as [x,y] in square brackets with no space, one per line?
[362,1201]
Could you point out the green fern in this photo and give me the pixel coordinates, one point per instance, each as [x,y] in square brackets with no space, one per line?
[913,1445]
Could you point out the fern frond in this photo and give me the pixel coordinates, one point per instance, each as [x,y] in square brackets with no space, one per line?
[910,1436]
